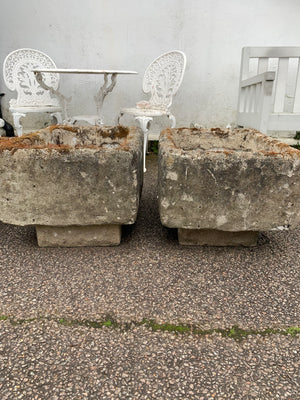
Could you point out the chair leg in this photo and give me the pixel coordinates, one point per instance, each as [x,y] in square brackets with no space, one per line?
[58,117]
[173,120]
[16,119]
[119,117]
[145,125]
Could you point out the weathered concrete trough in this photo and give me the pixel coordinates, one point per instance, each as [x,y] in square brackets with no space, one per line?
[77,185]
[221,187]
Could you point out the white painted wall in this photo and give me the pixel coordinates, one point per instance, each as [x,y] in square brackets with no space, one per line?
[129,34]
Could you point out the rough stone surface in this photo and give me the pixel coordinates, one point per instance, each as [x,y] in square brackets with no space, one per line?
[216,238]
[70,236]
[228,180]
[62,176]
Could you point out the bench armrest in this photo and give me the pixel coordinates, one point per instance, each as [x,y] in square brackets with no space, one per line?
[266,76]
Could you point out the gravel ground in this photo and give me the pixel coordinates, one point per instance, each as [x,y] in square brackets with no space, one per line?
[48,361]
[149,276]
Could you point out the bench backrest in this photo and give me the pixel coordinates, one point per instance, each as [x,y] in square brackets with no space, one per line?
[285,61]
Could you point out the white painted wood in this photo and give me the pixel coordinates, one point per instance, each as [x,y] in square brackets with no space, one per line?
[281,82]
[291,85]
[252,98]
[258,90]
[264,106]
[263,64]
[243,73]
[249,120]
[266,76]
[296,108]
[270,100]
[245,63]
[284,122]
[273,52]
[258,97]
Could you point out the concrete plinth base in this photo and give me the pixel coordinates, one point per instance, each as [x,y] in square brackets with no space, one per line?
[216,238]
[77,236]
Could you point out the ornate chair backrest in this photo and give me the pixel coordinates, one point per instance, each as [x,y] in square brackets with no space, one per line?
[163,77]
[18,75]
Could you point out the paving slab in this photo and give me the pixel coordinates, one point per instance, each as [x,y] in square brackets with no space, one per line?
[50,300]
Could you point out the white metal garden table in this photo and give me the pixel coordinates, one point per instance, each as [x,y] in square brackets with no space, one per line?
[106,88]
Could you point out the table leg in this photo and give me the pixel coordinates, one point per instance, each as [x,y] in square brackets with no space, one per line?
[103,92]
[61,97]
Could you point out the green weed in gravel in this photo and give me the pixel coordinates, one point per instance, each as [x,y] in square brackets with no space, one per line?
[234,332]
[87,323]
[165,327]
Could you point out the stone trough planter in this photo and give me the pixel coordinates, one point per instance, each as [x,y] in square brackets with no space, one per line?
[77,185]
[221,187]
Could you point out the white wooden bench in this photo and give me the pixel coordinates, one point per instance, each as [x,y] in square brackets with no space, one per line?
[269,90]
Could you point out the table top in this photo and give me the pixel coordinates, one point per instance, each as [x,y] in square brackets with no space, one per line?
[82,71]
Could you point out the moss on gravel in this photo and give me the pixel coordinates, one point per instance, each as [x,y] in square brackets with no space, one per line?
[235,332]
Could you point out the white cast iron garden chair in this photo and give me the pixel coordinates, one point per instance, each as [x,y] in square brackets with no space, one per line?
[162,80]
[31,97]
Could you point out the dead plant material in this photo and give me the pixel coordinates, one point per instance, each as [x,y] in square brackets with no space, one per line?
[30,141]
[168,133]
[119,132]
[15,143]
[69,128]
